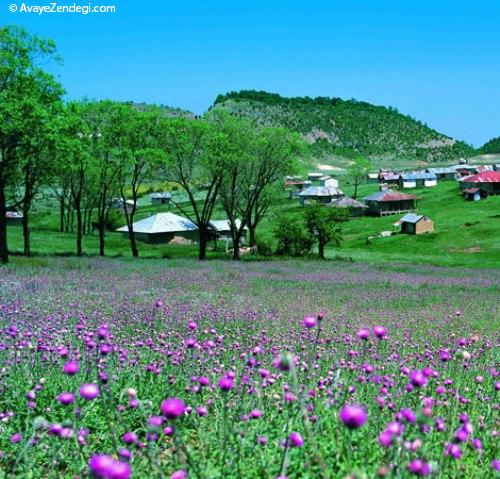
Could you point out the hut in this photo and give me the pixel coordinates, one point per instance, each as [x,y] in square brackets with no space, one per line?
[221,230]
[414,224]
[13,217]
[162,227]
[314,177]
[161,198]
[294,186]
[372,178]
[417,179]
[321,194]
[488,181]
[389,202]
[444,173]
[355,208]
[119,203]
[388,178]
[327,180]
[474,194]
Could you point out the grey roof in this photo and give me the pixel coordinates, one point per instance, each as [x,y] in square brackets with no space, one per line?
[164,194]
[321,191]
[162,223]
[326,177]
[441,171]
[411,218]
[418,175]
[223,225]
[346,202]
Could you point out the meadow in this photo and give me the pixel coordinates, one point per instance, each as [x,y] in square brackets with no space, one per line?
[115,368]
[466,232]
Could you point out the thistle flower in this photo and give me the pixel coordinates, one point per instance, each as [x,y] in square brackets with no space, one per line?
[172,408]
[89,391]
[353,416]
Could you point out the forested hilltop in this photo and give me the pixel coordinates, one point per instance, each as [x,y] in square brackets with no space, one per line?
[345,128]
[491,147]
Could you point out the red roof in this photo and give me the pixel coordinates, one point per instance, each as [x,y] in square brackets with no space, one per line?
[484,177]
[471,190]
[390,195]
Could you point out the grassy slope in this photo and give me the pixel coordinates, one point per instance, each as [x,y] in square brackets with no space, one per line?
[466,233]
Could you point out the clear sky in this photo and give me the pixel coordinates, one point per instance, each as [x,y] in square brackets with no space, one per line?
[438,60]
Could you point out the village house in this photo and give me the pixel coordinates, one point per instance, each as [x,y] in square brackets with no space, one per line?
[295,186]
[444,173]
[474,194]
[314,177]
[417,179]
[327,180]
[415,224]
[13,217]
[388,178]
[389,202]
[488,181]
[161,198]
[162,227]
[320,194]
[355,208]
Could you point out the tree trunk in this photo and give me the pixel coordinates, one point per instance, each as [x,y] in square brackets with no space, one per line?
[236,247]
[321,249]
[79,230]
[133,241]
[61,214]
[202,251]
[101,238]
[355,190]
[26,229]
[4,252]
[251,231]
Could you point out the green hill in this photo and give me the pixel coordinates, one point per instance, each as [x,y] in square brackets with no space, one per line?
[337,129]
[491,147]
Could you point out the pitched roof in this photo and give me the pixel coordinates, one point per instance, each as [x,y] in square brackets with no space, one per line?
[161,194]
[346,202]
[418,175]
[389,195]
[321,191]
[471,190]
[162,223]
[223,225]
[484,177]
[441,170]
[411,218]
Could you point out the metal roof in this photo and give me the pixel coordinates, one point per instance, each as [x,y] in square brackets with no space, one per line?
[346,202]
[441,171]
[321,191]
[418,175]
[223,225]
[162,223]
[411,218]
[164,194]
[484,177]
[389,195]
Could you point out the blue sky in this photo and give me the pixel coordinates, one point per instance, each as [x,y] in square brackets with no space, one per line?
[437,60]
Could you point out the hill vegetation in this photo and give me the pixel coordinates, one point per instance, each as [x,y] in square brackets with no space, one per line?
[346,128]
[491,147]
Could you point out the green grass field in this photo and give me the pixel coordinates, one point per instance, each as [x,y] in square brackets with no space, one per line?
[467,233]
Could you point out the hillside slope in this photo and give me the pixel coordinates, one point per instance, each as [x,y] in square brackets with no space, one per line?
[491,147]
[339,129]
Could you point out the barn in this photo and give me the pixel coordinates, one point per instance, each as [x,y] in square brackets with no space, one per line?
[162,227]
[414,224]
[488,181]
[161,198]
[388,202]
[321,194]
[417,179]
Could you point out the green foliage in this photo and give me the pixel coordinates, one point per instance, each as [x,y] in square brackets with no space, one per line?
[324,225]
[292,236]
[491,147]
[345,127]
